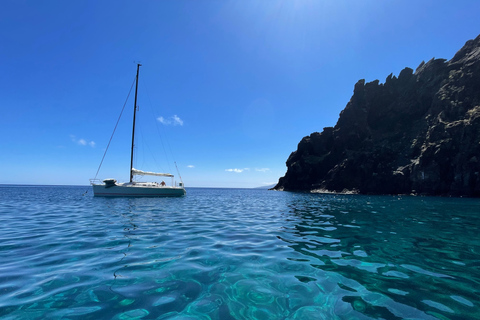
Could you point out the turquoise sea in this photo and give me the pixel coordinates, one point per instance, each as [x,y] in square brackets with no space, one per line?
[237,254]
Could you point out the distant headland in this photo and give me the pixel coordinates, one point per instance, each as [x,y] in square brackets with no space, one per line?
[415,134]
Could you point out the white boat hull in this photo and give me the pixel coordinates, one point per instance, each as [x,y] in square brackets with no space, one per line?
[135,190]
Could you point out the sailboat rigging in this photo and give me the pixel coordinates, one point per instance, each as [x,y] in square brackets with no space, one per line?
[110,187]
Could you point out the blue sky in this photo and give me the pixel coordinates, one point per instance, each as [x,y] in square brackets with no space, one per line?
[231,86]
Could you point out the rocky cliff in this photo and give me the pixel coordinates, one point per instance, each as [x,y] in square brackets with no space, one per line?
[418,133]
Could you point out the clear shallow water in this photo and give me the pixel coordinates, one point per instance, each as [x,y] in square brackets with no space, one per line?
[237,254]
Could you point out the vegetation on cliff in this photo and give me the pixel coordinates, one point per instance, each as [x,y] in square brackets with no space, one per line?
[418,133]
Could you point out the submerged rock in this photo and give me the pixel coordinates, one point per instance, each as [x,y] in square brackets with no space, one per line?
[418,133]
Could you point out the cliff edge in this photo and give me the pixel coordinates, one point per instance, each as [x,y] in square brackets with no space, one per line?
[418,133]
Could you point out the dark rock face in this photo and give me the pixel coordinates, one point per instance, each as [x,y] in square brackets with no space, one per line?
[418,133]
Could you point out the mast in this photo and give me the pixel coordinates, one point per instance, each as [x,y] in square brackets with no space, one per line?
[133,129]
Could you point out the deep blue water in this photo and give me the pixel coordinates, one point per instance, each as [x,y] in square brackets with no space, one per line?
[237,254]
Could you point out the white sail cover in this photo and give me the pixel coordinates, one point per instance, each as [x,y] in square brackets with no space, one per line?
[149,173]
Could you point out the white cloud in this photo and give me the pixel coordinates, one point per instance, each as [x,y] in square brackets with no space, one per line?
[82,141]
[177,120]
[237,170]
[190,166]
[173,121]
[262,169]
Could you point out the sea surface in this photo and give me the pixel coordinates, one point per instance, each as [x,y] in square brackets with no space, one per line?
[237,254]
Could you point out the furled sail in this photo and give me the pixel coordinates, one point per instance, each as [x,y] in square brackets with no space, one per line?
[149,173]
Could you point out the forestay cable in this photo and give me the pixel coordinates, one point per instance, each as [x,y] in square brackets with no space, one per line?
[108,145]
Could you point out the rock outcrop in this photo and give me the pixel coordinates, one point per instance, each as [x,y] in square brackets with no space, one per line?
[418,133]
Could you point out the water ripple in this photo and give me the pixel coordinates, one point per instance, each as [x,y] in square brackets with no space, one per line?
[236,254]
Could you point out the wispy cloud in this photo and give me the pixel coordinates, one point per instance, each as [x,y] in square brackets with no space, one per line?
[262,169]
[81,141]
[171,121]
[270,183]
[190,166]
[237,170]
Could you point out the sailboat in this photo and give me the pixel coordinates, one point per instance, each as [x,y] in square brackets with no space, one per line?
[111,188]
